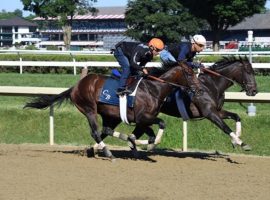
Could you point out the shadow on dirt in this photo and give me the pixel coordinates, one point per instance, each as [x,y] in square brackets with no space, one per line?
[150,156]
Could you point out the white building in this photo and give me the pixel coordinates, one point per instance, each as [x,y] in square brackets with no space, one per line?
[17,31]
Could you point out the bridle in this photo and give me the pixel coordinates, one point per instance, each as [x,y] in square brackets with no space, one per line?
[243,85]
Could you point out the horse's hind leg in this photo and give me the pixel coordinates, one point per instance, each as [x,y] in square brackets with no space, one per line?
[95,134]
[109,125]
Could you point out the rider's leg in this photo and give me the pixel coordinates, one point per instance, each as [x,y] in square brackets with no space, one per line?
[124,63]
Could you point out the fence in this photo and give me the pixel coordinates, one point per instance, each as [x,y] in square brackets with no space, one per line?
[35,91]
[76,64]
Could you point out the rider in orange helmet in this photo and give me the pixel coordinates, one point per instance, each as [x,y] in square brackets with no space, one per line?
[132,57]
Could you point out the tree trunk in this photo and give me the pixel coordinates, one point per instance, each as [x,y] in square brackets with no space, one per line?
[216,37]
[67,36]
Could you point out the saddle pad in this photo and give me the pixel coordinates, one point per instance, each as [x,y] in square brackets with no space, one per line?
[108,94]
[177,98]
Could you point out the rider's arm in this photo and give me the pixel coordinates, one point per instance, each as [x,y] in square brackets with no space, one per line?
[140,57]
[186,55]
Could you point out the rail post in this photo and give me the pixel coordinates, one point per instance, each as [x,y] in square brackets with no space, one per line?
[51,125]
[184,136]
[21,67]
[251,108]
[74,65]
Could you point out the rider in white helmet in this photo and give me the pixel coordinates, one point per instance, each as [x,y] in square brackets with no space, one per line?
[185,51]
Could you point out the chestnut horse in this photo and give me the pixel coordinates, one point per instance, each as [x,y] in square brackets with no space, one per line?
[228,71]
[85,94]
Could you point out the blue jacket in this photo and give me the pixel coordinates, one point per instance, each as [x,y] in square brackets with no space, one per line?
[179,52]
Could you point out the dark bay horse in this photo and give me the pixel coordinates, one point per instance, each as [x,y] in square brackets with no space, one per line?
[209,105]
[85,94]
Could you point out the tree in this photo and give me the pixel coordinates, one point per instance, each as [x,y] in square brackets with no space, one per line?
[7,15]
[168,20]
[18,13]
[221,14]
[62,10]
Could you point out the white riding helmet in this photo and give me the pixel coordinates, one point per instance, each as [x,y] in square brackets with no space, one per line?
[199,39]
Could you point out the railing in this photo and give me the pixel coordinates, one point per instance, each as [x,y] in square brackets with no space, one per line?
[35,91]
[21,63]
[87,64]
[18,51]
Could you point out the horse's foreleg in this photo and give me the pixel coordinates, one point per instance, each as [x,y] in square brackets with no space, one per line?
[224,114]
[153,139]
[217,120]
[161,125]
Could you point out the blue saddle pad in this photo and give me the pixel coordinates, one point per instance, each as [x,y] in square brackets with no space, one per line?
[177,97]
[108,93]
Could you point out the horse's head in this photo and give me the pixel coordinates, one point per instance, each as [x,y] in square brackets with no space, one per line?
[247,77]
[240,71]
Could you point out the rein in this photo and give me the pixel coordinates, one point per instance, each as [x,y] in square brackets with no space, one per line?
[216,74]
[163,81]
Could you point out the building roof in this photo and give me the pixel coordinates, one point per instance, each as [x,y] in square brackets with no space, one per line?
[16,21]
[103,13]
[257,21]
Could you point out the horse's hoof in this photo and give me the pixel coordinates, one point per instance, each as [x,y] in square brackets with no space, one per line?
[246,147]
[233,144]
[90,152]
[151,147]
[113,159]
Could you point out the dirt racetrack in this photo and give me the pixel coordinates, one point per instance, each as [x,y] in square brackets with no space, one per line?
[38,172]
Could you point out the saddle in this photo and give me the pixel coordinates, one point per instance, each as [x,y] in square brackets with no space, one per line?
[131,81]
[108,92]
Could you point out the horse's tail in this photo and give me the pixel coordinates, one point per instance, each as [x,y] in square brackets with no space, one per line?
[45,101]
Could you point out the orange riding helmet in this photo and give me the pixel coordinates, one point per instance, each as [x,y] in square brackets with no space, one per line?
[156,43]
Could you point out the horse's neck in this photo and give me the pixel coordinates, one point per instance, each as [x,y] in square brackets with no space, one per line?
[217,84]
[174,75]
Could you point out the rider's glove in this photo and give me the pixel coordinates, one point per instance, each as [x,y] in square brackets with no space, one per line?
[202,66]
[196,65]
[142,74]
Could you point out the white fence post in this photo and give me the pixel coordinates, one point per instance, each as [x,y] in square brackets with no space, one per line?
[21,66]
[51,125]
[251,108]
[74,64]
[184,136]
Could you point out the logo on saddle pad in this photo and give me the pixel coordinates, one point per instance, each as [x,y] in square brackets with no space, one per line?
[108,93]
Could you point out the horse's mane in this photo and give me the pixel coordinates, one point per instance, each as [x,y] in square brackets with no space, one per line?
[227,60]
